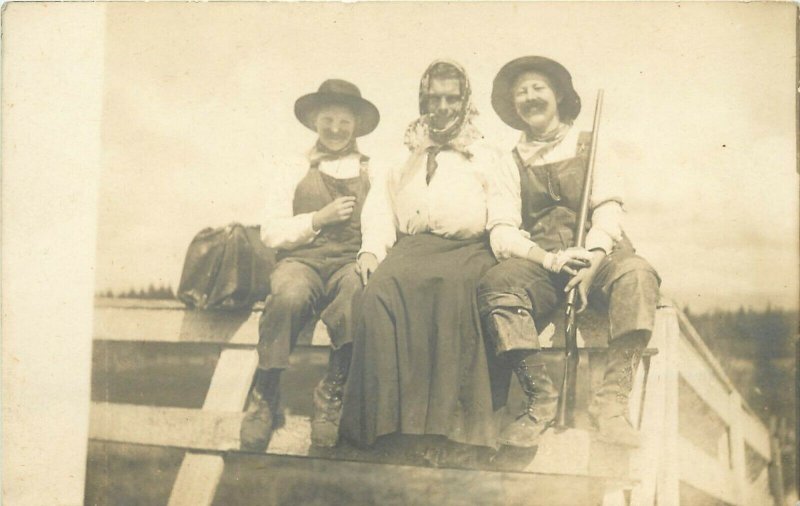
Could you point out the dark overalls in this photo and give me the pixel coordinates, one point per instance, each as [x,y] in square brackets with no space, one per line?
[518,294]
[317,278]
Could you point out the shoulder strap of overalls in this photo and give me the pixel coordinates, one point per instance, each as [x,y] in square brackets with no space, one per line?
[364,168]
[517,158]
[584,144]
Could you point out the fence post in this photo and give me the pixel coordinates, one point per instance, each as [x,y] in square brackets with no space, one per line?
[669,480]
[776,463]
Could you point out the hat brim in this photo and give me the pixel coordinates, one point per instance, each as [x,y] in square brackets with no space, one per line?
[503,98]
[367,115]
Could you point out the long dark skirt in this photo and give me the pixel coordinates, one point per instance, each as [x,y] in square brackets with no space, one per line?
[419,361]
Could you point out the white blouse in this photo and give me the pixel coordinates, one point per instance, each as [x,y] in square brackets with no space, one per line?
[454,205]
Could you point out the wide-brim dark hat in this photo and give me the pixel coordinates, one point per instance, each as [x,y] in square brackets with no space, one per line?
[503,97]
[338,91]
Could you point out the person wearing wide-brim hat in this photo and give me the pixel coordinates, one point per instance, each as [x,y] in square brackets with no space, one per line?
[542,180]
[313,221]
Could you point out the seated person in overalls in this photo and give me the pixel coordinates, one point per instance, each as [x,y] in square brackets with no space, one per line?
[317,234]
[543,179]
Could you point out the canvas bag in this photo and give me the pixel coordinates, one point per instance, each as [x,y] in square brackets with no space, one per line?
[226,268]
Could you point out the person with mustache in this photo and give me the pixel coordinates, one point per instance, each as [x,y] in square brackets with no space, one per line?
[419,361]
[532,235]
[314,222]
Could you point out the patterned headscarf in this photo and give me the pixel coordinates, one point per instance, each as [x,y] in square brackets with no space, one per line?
[460,133]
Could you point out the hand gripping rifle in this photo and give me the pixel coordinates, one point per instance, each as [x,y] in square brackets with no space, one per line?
[566,399]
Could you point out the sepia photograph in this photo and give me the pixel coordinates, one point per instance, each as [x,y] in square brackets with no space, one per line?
[400,253]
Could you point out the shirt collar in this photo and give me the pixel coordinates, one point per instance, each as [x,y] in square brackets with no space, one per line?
[531,150]
[319,153]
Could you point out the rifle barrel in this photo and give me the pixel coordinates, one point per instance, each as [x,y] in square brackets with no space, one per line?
[566,399]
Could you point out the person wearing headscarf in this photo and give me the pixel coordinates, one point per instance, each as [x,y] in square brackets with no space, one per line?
[532,234]
[314,223]
[419,362]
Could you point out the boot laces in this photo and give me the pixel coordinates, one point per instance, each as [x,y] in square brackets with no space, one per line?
[530,391]
[625,381]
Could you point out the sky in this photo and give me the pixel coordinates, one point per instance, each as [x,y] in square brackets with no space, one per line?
[699,116]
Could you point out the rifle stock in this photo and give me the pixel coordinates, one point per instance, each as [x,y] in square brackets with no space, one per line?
[565,414]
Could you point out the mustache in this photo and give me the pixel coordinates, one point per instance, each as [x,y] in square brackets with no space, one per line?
[533,105]
[340,136]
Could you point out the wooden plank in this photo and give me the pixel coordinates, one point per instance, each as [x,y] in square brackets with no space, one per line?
[758,492]
[668,488]
[737,460]
[703,381]
[160,426]
[199,474]
[231,382]
[562,453]
[694,339]
[276,479]
[166,304]
[197,481]
[163,304]
[149,325]
[644,461]
[143,324]
[756,435]
[706,473]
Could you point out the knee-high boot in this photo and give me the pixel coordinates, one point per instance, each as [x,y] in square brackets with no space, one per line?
[328,398]
[609,407]
[542,399]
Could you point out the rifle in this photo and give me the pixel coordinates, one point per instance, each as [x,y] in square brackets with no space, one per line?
[566,400]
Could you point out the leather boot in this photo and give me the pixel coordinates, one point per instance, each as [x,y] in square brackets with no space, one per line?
[328,399]
[609,408]
[262,414]
[540,408]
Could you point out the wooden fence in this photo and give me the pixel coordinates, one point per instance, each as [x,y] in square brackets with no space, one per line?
[701,443]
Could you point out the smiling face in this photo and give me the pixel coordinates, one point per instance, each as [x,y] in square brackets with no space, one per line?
[444,102]
[536,101]
[335,125]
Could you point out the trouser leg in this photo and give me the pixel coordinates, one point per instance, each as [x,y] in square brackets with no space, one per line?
[295,290]
[342,290]
[626,286]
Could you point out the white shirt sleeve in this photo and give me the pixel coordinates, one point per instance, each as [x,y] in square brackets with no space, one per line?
[504,202]
[280,228]
[505,212]
[509,242]
[378,224]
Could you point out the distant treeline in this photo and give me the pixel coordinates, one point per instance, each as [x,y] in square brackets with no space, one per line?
[161,292]
[757,335]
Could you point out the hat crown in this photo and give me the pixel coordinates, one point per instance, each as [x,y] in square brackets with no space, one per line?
[339,87]
[338,91]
